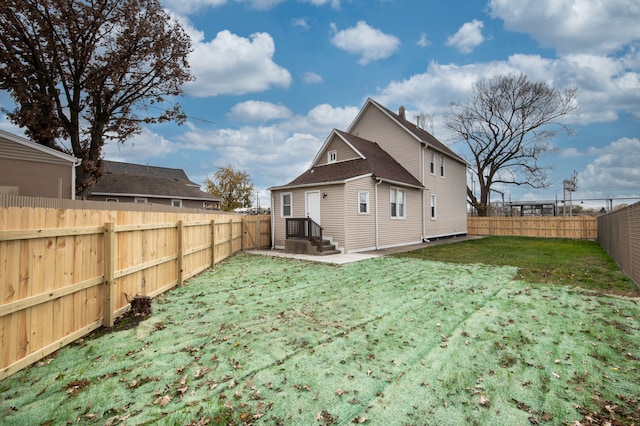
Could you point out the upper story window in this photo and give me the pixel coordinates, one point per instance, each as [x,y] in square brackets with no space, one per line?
[286,204]
[332,156]
[397,197]
[442,166]
[112,200]
[176,203]
[432,162]
[363,202]
[141,200]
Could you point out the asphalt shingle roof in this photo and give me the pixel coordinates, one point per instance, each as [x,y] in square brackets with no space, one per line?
[376,162]
[137,179]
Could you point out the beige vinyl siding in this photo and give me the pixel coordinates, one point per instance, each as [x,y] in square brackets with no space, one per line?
[331,212]
[360,228]
[37,179]
[451,199]
[375,126]
[395,232]
[343,150]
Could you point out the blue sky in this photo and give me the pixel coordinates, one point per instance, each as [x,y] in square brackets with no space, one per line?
[274,77]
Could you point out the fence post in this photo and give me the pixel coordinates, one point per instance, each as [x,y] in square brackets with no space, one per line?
[213,243]
[259,232]
[108,297]
[180,237]
[231,240]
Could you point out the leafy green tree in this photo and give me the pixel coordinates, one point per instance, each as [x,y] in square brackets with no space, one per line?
[233,187]
[507,125]
[89,71]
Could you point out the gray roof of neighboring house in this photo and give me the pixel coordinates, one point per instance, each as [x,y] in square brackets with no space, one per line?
[375,161]
[126,179]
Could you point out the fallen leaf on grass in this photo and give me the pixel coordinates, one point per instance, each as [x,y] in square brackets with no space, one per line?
[556,375]
[163,400]
[483,401]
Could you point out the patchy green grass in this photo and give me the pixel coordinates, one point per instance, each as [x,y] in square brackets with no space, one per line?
[391,340]
[540,260]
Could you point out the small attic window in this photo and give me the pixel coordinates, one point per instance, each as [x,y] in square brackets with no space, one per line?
[332,156]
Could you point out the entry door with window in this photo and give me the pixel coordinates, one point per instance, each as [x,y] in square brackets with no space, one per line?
[313,205]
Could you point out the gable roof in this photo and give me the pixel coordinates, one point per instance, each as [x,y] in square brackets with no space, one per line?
[417,133]
[126,179]
[374,161]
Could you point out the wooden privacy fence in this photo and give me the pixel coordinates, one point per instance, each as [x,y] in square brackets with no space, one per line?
[66,272]
[575,227]
[619,235]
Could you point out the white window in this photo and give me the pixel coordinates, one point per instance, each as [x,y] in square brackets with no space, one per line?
[140,200]
[397,203]
[176,203]
[442,166]
[332,156]
[363,202]
[112,200]
[286,204]
[433,207]
[432,162]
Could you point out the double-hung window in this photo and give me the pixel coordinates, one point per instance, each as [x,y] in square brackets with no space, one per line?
[442,166]
[363,202]
[433,207]
[397,203]
[432,162]
[286,204]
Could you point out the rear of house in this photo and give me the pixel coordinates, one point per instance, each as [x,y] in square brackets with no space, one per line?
[384,183]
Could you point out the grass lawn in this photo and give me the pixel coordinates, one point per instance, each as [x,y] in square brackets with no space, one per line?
[391,340]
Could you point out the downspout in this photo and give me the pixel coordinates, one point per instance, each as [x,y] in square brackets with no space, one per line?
[273,222]
[422,180]
[376,195]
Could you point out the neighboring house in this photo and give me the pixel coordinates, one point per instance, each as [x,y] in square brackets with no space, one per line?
[382,183]
[136,183]
[31,169]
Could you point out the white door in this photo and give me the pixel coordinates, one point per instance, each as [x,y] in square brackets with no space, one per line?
[313,205]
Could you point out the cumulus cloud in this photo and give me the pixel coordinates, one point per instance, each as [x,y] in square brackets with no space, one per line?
[615,170]
[192,6]
[312,78]
[572,25]
[468,37]
[258,111]
[146,145]
[234,65]
[423,41]
[370,43]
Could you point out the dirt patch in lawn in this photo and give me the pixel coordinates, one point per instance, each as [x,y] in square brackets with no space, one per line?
[390,340]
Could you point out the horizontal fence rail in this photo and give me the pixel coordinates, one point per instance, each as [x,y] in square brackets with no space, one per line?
[619,235]
[66,272]
[575,227]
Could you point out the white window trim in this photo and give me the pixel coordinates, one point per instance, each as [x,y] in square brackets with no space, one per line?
[141,200]
[433,206]
[332,156]
[282,195]
[404,203]
[432,163]
[368,204]
[174,202]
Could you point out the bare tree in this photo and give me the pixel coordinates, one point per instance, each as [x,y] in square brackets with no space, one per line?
[89,71]
[233,187]
[507,126]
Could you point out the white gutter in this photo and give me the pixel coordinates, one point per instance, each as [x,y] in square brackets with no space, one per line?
[376,195]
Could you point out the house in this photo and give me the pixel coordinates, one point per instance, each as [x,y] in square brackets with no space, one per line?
[383,183]
[136,183]
[31,169]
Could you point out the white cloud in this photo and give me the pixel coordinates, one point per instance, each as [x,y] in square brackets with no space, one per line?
[572,25]
[300,22]
[230,64]
[258,111]
[142,147]
[312,78]
[615,170]
[370,43]
[468,37]
[334,3]
[188,7]
[423,41]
